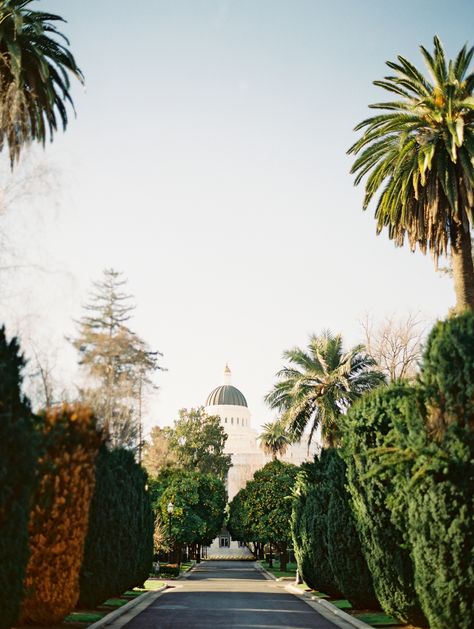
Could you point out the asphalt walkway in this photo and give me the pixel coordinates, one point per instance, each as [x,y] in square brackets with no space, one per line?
[230,594]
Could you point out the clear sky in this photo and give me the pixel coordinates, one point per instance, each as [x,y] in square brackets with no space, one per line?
[208,162]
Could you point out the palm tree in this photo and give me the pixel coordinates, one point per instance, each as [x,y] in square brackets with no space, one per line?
[321,383]
[420,151]
[34,76]
[275,439]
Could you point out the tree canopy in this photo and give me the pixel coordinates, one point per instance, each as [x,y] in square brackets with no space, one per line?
[320,383]
[118,362]
[197,442]
[35,65]
[420,153]
[261,511]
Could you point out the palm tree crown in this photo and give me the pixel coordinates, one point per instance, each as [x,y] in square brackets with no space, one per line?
[34,76]
[275,439]
[320,384]
[420,152]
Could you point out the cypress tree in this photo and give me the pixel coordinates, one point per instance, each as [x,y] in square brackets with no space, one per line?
[309,525]
[60,512]
[347,560]
[384,536]
[119,545]
[435,475]
[18,457]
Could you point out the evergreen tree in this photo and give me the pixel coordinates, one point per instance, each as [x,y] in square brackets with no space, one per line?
[383,531]
[119,545]
[18,457]
[418,151]
[320,383]
[309,523]
[346,558]
[35,70]
[117,361]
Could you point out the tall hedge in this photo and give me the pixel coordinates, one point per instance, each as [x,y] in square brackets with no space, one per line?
[58,520]
[435,475]
[384,536]
[309,525]
[119,546]
[18,456]
[447,373]
[347,560]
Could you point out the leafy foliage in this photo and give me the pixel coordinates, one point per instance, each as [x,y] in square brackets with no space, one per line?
[275,439]
[261,511]
[199,501]
[119,545]
[420,151]
[156,452]
[433,475]
[197,442]
[309,524]
[321,383]
[34,76]
[448,373]
[58,520]
[434,484]
[345,555]
[17,479]
[384,538]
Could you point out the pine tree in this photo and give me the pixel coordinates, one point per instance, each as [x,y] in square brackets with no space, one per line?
[118,362]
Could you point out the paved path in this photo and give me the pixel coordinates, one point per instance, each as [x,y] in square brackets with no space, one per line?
[230,594]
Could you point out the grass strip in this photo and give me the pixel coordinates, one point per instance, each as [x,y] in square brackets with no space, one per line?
[84,617]
[377,619]
[341,604]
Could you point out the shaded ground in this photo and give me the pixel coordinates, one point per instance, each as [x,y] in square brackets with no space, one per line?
[231,595]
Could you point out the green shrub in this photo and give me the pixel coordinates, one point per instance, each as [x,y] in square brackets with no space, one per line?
[433,454]
[169,570]
[18,457]
[347,560]
[384,537]
[447,373]
[309,525]
[119,545]
[440,501]
[60,512]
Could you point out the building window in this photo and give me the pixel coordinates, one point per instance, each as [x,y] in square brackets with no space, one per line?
[223,542]
[232,420]
[237,421]
[225,420]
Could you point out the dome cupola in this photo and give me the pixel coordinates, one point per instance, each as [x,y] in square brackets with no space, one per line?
[226,394]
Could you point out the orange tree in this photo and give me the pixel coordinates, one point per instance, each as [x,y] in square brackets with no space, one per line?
[60,513]
[261,511]
[199,501]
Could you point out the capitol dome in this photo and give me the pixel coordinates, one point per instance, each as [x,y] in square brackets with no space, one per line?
[226,394]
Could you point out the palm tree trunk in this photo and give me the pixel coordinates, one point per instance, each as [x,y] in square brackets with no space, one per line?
[463,268]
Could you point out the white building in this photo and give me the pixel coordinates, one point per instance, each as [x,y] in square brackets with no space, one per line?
[228,403]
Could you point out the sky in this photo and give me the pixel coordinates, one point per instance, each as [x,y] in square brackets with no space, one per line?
[208,163]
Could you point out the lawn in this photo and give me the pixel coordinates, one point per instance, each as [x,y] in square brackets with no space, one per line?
[289,572]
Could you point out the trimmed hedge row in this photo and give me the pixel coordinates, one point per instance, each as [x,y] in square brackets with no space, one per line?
[118,552]
[18,456]
[402,495]
[47,478]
